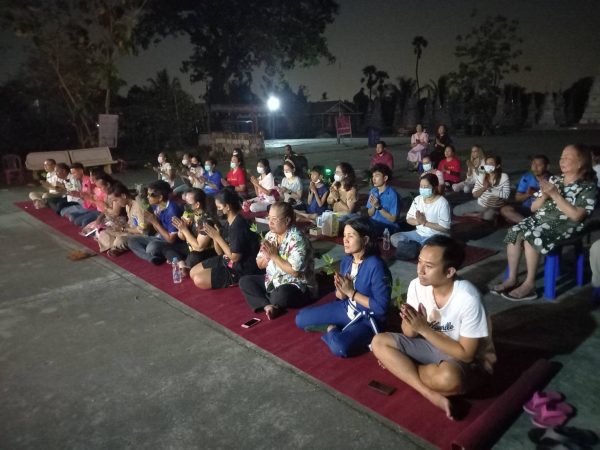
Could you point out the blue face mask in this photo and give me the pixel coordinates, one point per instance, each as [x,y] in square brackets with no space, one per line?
[208,167]
[426,192]
[426,167]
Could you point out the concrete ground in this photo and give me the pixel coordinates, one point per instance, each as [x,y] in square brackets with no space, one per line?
[92,357]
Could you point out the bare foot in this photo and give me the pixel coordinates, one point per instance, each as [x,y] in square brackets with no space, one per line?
[441,402]
[272,311]
[521,291]
[504,286]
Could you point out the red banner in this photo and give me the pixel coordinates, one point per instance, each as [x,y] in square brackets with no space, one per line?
[343,125]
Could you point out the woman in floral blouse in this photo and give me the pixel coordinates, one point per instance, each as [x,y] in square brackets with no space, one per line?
[287,256]
[560,208]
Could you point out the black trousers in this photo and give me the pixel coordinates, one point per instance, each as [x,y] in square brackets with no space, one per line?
[284,296]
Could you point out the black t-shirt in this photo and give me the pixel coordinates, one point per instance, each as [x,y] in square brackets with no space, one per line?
[243,241]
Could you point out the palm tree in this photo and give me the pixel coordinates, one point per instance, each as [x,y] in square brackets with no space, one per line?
[419,43]
[373,77]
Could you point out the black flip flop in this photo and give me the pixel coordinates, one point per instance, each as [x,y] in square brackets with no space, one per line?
[531,296]
[564,435]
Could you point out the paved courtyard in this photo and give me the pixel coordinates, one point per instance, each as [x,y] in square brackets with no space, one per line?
[92,357]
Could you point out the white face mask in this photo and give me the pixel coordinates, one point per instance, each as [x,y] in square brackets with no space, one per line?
[426,167]
[489,169]
[161,159]
[185,162]
[260,169]
[338,178]
[208,167]
[232,165]
[288,174]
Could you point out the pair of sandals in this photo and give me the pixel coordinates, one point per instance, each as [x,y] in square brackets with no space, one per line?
[548,409]
[505,293]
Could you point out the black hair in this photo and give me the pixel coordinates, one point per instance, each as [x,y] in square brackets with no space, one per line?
[451,147]
[199,196]
[63,166]
[432,178]
[97,172]
[106,178]
[161,187]
[265,163]
[286,209]
[383,169]
[319,169]
[118,189]
[454,251]
[350,181]
[363,227]
[542,157]
[230,198]
[290,163]
[211,160]
[382,143]
[77,165]
[239,154]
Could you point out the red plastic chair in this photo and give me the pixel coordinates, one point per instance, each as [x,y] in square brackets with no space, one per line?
[13,169]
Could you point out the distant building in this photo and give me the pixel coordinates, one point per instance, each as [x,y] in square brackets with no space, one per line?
[322,115]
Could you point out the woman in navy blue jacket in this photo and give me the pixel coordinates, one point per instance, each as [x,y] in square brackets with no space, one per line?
[363,286]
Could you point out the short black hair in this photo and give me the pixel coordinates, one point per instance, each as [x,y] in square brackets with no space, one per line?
[363,227]
[211,160]
[454,251]
[433,180]
[383,169]
[319,169]
[382,143]
[51,161]
[63,166]
[118,189]
[161,187]
[77,165]
[542,157]
[199,196]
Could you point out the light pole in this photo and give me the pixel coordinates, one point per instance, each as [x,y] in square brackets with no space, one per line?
[273,105]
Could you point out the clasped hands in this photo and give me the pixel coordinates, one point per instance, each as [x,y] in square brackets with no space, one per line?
[416,319]
[374,201]
[343,284]
[420,218]
[548,189]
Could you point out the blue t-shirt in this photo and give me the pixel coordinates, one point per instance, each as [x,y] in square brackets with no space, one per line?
[528,180]
[165,217]
[215,178]
[314,207]
[388,200]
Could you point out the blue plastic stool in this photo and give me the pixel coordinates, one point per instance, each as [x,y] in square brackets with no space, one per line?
[552,268]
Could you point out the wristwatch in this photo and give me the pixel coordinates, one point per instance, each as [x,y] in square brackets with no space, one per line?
[379,208]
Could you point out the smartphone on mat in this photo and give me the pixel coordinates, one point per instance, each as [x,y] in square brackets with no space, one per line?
[382,388]
[251,323]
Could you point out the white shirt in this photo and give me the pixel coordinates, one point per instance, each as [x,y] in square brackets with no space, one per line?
[438,212]
[463,314]
[294,185]
[52,178]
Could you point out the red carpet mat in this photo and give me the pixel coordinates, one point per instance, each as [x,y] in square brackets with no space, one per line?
[482,420]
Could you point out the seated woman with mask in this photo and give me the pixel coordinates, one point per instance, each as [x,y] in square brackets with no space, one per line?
[363,285]
[429,213]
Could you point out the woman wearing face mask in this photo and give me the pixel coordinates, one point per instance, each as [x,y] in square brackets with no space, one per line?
[263,186]
[474,164]
[164,170]
[287,256]
[427,166]
[342,193]
[291,185]
[191,174]
[491,192]
[236,246]
[236,177]
[430,213]
[190,230]
[212,177]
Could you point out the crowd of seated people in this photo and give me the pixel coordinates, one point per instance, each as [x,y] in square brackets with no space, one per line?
[206,229]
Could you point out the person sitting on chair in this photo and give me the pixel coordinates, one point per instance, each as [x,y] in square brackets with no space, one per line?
[445,347]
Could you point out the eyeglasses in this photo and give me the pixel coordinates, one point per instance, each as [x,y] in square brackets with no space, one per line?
[274,219]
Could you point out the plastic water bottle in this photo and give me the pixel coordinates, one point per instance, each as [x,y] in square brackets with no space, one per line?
[176,271]
[386,240]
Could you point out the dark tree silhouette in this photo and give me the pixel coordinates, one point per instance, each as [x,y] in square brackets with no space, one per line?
[419,43]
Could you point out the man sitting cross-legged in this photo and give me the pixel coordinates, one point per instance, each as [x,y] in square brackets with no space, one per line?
[444,348]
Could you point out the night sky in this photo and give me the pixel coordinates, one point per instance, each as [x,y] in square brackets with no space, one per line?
[562,44]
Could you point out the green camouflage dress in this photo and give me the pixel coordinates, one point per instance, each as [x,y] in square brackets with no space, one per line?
[549,225]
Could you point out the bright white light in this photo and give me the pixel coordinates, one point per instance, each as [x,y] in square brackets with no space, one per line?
[273,103]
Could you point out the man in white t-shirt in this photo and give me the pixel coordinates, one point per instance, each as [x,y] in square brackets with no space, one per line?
[445,347]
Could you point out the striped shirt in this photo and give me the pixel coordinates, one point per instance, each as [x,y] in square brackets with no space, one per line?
[494,196]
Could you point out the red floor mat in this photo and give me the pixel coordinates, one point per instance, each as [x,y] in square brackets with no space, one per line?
[484,418]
